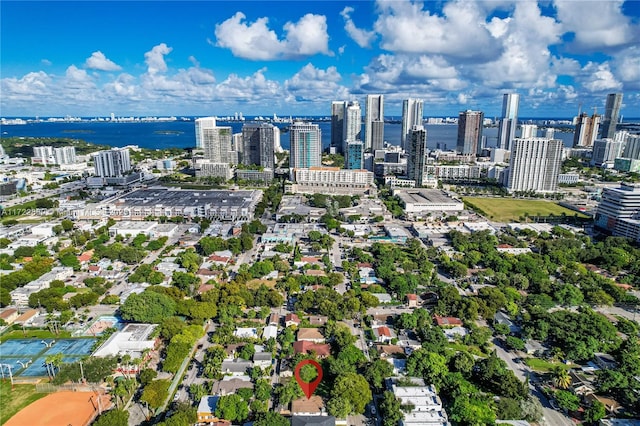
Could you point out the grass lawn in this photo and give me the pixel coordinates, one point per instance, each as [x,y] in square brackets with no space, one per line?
[513,209]
[14,400]
[545,366]
[256,283]
[37,334]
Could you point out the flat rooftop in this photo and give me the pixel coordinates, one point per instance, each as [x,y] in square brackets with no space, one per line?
[185,197]
[423,196]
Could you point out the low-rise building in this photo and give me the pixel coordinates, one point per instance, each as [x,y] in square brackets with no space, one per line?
[418,203]
[9,315]
[310,335]
[132,340]
[427,407]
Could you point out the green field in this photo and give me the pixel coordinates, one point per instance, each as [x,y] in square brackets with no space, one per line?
[513,209]
[14,400]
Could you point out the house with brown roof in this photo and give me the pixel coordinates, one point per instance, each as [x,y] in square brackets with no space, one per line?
[27,317]
[306,347]
[291,319]
[308,407]
[317,320]
[387,351]
[85,256]
[383,334]
[231,386]
[412,300]
[274,319]
[310,335]
[447,321]
[9,315]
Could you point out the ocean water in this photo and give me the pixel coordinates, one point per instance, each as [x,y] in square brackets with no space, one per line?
[181,134]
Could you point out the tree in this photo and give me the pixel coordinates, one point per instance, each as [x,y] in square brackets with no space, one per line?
[390,409]
[148,306]
[350,390]
[271,418]
[67,225]
[197,391]
[232,408]
[115,417]
[531,409]
[155,393]
[515,343]
[376,372]
[429,365]
[567,400]
[561,377]
[595,412]
[147,376]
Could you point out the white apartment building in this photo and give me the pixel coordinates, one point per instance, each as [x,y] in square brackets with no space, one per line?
[619,211]
[306,145]
[43,155]
[65,155]
[535,165]
[330,180]
[112,163]
[605,151]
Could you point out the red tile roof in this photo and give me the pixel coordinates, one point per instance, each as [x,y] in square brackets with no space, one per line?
[304,346]
[292,318]
[411,296]
[447,320]
[383,331]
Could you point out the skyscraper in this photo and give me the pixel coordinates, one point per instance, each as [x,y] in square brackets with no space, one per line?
[417,150]
[215,141]
[338,109]
[470,132]
[306,145]
[509,120]
[373,137]
[586,130]
[534,165]
[412,115]
[611,115]
[352,124]
[65,155]
[112,163]
[354,156]
[606,151]
[258,144]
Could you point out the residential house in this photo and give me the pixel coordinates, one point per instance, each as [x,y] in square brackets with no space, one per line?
[389,351]
[502,318]
[318,320]
[427,407]
[310,335]
[313,420]
[206,411]
[291,319]
[382,297]
[306,347]
[274,319]
[605,361]
[455,332]
[262,359]
[236,367]
[313,406]
[243,333]
[581,384]
[383,334]
[230,385]
[270,332]
[9,315]
[412,300]
[27,317]
[447,321]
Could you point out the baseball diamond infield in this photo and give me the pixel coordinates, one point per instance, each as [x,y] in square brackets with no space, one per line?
[61,409]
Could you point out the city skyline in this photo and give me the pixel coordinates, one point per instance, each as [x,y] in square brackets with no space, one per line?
[216,58]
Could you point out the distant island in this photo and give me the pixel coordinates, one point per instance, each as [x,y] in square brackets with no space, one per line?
[78,131]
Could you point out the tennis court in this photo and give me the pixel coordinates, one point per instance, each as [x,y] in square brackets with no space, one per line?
[27,356]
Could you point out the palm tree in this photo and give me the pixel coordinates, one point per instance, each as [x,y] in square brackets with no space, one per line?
[561,377]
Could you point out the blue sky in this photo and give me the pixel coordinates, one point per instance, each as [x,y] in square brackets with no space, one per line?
[92,58]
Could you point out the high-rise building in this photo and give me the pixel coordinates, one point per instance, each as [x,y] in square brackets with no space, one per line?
[619,211]
[43,155]
[338,109]
[112,163]
[528,131]
[605,151]
[632,147]
[509,120]
[417,160]
[201,125]
[306,145]
[534,165]
[412,115]
[215,141]
[470,124]
[374,136]
[354,156]
[65,155]
[586,130]
[352,124]
[611,115]
[258,144]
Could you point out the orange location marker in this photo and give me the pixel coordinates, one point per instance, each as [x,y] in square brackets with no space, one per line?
[308,388]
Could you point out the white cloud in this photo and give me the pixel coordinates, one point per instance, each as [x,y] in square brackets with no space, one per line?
[315,84]
[46,62]
[363,38]
[155,58]
[596,24]
[599,78]
[626,67]
[97,61]
[461,32]
[255,41]
[33,85]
